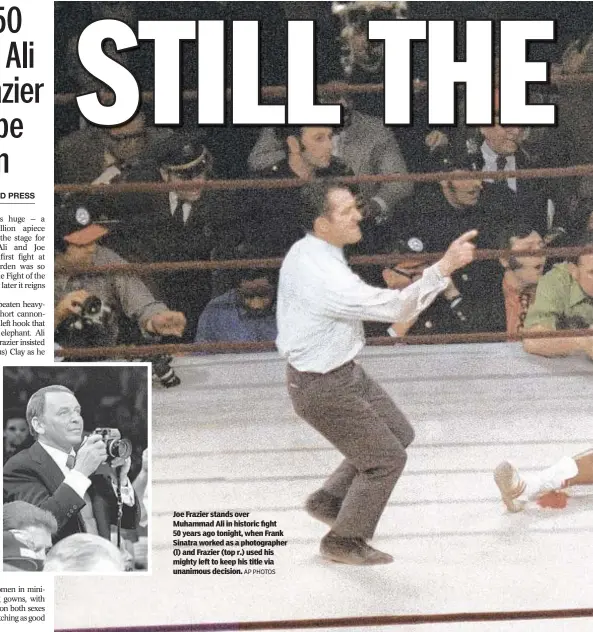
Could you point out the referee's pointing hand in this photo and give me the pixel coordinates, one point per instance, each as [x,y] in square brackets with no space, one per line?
[460,253]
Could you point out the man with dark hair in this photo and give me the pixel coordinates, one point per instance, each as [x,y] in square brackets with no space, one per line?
[69,481]
[273,221]
[27,535]
[321,306]
[243,314]
[544,203]
[564,300]
[363,143]
[16,433]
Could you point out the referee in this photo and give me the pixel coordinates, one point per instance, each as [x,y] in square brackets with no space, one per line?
[321,306]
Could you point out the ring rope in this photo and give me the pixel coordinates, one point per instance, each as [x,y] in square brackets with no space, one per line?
[332,88]
[240,347]
[287,183]
[364,260]
[407,619]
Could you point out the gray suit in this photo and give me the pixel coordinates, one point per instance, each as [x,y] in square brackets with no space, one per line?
[365,145]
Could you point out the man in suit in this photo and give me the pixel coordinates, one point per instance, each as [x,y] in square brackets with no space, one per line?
[488,298]
[75,486]
[544,204]
[179,225]
[365,145]
[274,220]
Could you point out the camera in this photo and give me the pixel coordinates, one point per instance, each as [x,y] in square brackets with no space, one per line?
[93,312]
[92,327]
[162,371]
[115,446]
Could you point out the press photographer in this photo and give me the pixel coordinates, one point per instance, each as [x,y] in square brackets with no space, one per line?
[91,309]
[83,482]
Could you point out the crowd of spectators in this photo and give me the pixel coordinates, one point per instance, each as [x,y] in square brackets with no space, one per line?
[182,225]
[42,515]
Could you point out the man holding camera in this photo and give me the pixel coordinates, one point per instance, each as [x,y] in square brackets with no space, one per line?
[79,487]
[89,308]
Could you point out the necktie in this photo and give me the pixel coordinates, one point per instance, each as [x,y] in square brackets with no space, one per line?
[178,215]
[70,461]
[524,301]
[501,162]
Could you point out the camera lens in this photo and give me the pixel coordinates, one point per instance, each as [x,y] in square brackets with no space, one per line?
[91,306]
[119,448]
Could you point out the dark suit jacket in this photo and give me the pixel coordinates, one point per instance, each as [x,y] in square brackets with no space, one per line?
[532,194]
[149,233]
[273,221]
[33,477]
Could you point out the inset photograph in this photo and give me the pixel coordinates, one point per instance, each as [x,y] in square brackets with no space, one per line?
[77,468]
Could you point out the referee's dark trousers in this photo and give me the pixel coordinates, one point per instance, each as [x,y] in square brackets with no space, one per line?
[358,417]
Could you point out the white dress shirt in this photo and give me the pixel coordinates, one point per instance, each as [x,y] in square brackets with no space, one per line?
[322,303]
[490,157]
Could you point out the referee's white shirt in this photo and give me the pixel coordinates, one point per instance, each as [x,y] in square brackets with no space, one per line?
[322,303]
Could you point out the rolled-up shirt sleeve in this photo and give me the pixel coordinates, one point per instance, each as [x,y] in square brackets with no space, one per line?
[347,296]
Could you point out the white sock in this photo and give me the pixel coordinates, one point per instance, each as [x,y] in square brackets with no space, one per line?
[549,479]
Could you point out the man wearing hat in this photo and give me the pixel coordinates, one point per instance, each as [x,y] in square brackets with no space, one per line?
[181,225]
[440,211]
[93,305]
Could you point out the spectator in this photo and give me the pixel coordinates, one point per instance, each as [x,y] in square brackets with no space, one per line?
[440,211]
[365,145]
[181,225]
[140,547]
[243,314]
[74,486]
[563,300]
[543,204]
[494,298]
[28,532]
[274,219]
[16,433]
[104,155]
[88,309]
[86,553]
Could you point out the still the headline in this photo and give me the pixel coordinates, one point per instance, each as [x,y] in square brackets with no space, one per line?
[444,72]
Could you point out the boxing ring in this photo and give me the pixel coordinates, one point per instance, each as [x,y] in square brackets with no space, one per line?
[227,438]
